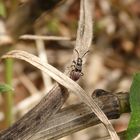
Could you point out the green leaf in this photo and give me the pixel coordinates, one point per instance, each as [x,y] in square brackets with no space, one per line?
[134,124]
[5,88]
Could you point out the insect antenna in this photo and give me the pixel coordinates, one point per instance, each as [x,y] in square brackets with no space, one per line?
[85,54]
[77,52]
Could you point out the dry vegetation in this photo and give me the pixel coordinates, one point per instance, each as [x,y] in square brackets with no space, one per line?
[113,58]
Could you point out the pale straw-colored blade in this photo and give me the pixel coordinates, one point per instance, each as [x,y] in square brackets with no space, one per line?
[85,27]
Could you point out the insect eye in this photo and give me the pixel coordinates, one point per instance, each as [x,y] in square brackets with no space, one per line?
[79,59]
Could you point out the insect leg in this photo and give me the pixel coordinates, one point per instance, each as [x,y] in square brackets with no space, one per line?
[81,73]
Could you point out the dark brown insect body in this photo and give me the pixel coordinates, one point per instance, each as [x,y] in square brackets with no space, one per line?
[76,73]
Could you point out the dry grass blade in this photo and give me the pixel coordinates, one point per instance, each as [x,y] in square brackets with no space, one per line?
[35,37]
[40,45]
[65,81]
[85,27]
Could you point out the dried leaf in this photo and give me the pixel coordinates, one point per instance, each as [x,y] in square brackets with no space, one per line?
[85,27]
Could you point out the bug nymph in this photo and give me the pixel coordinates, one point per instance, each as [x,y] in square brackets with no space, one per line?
[76,73]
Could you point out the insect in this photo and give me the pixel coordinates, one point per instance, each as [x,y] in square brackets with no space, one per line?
[76,73]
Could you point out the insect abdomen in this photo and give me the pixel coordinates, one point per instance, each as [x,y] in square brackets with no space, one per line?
[75,75]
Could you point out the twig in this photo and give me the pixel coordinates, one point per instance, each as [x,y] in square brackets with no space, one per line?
[35,37]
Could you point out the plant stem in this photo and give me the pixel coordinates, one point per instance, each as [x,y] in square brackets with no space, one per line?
[2,9]
[9,95]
